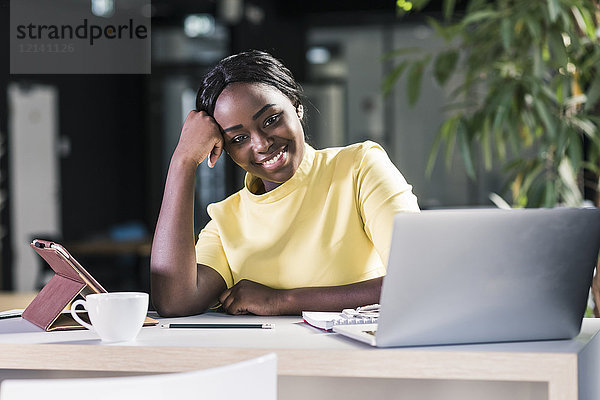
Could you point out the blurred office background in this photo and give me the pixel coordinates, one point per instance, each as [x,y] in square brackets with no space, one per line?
[83,158]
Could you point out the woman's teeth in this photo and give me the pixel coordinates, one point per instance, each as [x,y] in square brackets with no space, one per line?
[274,159]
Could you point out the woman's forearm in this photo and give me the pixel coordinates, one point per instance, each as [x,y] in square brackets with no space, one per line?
[254,298]
[334,298]
[171,263]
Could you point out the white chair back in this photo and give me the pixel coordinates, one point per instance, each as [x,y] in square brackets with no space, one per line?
[251,379]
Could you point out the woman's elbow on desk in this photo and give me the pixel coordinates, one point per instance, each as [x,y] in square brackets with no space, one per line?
[177,306]
[171,310]
[165,304]
[174,296]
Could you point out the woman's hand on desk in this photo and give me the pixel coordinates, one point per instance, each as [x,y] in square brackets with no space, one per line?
[200,138]
[248,297]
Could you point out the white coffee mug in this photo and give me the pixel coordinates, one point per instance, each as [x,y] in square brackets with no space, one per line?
[115,317]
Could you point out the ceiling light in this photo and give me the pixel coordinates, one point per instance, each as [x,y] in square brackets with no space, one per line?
[318,55]
[199,25]
[103,8]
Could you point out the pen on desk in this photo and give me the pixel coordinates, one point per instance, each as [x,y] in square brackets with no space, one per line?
[219,326]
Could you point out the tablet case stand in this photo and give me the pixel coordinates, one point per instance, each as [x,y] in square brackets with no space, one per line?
[69,281]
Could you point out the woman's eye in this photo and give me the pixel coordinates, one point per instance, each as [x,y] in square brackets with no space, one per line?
[271,120]
[238,139]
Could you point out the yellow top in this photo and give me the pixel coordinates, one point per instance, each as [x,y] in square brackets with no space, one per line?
[330,224]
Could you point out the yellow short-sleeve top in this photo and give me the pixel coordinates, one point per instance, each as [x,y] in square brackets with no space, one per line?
[330,224]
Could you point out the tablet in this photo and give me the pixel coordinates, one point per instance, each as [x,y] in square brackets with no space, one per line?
[70,280]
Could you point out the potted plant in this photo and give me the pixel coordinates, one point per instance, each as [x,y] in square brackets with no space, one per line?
[528,98]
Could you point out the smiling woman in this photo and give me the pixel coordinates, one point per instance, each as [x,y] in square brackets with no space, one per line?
[309,230]
[268,143]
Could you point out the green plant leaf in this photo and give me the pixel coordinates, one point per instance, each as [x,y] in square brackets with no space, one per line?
[546,90]
[500,144]
[594,118]
[550,197]
[506,30]
[478,16]
[553,10]
[476,5]
[585,21]
[445,133]
[591,58]
[448,9]
[560,91]
[534,28]
[463,88]
[497,109]
[501,96]
[449,135]
[575,101]
[557,48]
[401,52]
[446,32]
[538,63]
[565,17]
[586,127]
[464,145]
[391,79]
[525,135]
[485,144]
[513,165]
[574,150]
[444,65]
[499,117]
[513,133]
[559,144]
[545,52]
[433,154]
[415,76]
[592,166]
[593,94]
[592,157]
[544,115]
[531,175]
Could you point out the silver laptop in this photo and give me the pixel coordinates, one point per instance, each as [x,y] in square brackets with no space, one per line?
[480,276]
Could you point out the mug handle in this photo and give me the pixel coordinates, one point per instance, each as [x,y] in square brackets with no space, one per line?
[76,303]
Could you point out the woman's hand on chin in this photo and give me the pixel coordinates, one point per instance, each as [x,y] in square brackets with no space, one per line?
[248,297]
[200,138]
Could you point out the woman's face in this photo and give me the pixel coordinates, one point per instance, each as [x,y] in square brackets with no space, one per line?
[262,130]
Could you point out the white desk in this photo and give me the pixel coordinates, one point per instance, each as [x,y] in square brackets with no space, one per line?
[313,362]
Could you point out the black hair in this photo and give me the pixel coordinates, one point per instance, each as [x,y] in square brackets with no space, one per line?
[251,67]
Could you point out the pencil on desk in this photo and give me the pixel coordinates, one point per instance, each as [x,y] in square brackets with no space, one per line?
[10,316]
[220,326]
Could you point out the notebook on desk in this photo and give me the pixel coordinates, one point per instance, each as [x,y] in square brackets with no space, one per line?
[481,276]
